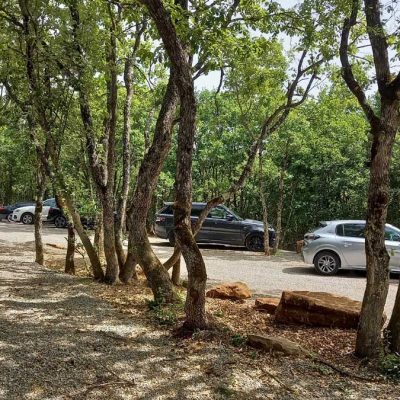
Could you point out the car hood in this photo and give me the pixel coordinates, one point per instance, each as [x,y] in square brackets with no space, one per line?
[257,223]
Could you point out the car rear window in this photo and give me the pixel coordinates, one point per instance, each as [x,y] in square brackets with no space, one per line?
[351,230]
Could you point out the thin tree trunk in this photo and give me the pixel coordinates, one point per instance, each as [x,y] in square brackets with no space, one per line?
[69,258]
[264,205]
[41,187]
[103,172]
[120,222]
[176,273]
[279,209]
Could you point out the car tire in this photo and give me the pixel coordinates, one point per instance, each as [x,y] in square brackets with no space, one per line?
[27,218]
[171,238]
[327,263]
[9,218]
[255,243]
[60,222]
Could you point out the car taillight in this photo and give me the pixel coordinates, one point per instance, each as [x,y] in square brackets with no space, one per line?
[160,219]
[2,209]
[311,236]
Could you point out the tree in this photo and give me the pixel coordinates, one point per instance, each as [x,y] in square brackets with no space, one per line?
[384,125]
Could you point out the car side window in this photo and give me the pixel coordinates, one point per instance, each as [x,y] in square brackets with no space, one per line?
[351,230]
[50,203]
[217,213]
[391,234]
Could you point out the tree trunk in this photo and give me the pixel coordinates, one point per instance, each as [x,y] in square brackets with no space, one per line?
[264,205]
[280,210]
[112,268]
[41,187]
[176,273]
[69,259]
[369,343]
[146,182]
[128,271]
[393,329]
[97,269]
[99,235]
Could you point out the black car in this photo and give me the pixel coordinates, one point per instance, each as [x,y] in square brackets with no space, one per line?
[222,226]
[6,211]
[57,217]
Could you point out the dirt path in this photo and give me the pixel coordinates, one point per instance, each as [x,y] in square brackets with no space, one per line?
[59,341]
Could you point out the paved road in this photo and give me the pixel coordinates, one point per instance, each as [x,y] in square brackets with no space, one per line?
[264,276]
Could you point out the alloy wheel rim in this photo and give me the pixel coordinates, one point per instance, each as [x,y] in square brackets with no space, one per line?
[256,243]
[27,219]
[327,264]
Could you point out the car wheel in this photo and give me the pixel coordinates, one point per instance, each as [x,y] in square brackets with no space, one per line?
[255,243]
[326,263]
[27,219]
[9,218]
[171,238]
[60,222]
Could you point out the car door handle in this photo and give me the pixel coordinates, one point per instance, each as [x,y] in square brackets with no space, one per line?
[347,244]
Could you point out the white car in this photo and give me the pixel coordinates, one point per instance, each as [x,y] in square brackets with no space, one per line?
[26,215]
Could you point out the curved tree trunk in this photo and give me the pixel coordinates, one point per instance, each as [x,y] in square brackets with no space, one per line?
[197,276]
[146,182]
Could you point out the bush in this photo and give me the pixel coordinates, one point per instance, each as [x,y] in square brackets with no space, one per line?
[390,366]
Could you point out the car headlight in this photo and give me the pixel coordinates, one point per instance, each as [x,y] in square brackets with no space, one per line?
[17,210]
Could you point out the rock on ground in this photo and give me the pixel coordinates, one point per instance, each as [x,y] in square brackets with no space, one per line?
[230,291]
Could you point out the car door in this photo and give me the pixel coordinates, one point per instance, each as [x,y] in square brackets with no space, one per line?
[224,227]
[204,235]
[351,242]
[392,243]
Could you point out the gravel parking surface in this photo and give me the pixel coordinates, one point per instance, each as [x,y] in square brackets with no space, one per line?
[263,275]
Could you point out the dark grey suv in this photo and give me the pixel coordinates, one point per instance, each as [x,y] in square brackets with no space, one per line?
[222,226]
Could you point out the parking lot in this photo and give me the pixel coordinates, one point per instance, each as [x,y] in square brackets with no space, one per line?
[264,275]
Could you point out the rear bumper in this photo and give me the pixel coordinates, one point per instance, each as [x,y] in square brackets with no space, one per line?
[307,255]
[160,231]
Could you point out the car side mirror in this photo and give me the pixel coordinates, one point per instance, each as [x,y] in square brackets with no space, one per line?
[230,218]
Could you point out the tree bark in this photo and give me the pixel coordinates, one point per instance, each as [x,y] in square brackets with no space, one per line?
[103,172]
[393,329]
[99,235]
[264,205]
[279,209]
[69,258]
[369,341]
[41,187]
[146,182]
[383,129]
[128,271]
[120,221]
[197,276]
[176,273]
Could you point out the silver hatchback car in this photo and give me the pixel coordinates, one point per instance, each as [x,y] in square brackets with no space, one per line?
[341,244]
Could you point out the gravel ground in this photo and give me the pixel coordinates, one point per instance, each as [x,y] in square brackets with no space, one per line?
[59,341]
[264,276]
